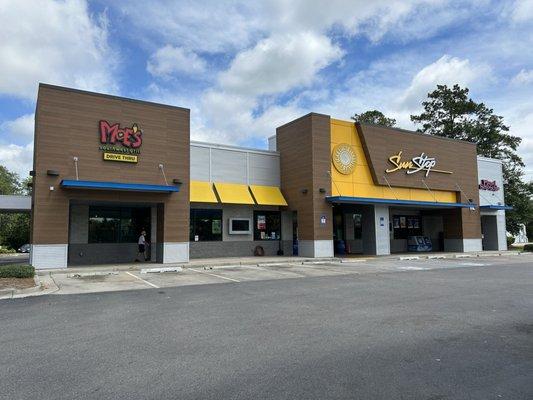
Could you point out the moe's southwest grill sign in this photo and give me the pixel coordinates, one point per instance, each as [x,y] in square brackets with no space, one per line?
[120,143]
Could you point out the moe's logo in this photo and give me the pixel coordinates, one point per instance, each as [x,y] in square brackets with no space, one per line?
[414,165]
[489,185]
[120,143]
[127,137]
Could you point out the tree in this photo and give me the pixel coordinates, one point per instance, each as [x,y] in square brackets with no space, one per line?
[450,112]
[9,182]
[374,117]
[14,228]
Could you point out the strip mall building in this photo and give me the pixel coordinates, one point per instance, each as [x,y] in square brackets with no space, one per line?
[106,168]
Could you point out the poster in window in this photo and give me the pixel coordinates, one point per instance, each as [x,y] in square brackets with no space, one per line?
[396,222]
[402,222]
[416,223]
[261,222]
[216,227]
[263,235]
[410,223]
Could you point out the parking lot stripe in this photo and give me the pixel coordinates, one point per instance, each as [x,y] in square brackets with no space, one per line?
[218,276]
[141,279]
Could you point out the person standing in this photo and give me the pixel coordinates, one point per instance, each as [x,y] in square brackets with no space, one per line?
[142,246]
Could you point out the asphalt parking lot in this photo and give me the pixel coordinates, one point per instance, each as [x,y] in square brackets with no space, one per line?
[436,329]
[103,281]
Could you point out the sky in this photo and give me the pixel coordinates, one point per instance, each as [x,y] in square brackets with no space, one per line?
[246,67]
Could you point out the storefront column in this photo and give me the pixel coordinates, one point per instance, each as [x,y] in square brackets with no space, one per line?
[502,230]
[375,234]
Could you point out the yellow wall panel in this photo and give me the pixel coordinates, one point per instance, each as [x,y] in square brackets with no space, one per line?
[343,189]
[362,175]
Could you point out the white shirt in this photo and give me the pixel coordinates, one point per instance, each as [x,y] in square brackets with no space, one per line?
[142,240]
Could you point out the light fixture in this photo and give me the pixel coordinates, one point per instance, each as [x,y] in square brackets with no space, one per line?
[177,181]
[52,172]
[322,190]
[304,191]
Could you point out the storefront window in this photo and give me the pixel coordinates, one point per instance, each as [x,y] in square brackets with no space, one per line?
[205,225]
[118,224]
[406,225]
[267,225]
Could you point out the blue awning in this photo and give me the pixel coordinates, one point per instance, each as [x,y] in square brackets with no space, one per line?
[367,200]
[495,207]
[125,187]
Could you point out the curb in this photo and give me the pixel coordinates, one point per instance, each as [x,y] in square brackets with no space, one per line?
[12,292]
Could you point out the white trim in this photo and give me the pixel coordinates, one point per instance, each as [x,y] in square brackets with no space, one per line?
[49,256]
[315,248]
[174,252]
[234,148]
[494,160]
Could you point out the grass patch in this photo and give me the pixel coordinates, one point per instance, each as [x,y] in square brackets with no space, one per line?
[17,271]
[6,250]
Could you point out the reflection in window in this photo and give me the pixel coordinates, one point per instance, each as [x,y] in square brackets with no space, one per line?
[118,224]
[205,225]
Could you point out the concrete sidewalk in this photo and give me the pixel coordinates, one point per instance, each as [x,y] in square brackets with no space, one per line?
[106,278]
[276,260]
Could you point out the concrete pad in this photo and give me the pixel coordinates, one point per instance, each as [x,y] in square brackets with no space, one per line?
[161,270]
[97,283]
[185,278]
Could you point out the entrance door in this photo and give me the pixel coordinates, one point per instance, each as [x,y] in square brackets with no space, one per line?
[489,230]
[339,240]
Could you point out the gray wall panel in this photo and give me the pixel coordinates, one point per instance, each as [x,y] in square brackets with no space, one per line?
[228,166]
[199,163]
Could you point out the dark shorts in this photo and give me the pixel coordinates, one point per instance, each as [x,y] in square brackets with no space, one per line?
[142,247]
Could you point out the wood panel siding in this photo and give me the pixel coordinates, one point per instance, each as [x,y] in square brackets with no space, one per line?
[458,157]
[304,145]
[66,126]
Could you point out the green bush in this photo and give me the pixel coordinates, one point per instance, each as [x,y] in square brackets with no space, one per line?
[6,250]
[528,247]
[17,271]
[510,241]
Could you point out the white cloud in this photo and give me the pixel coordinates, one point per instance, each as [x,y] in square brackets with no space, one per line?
[524,77]
[208,26]
[55,42]
[20,128]
[522,10]
[446,70]
[17,159]
[169,60]
[279,63]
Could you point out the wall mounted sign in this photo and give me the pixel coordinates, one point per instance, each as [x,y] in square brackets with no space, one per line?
[414,165]
[323,220]
[489,185]
[343,158]
[120,144]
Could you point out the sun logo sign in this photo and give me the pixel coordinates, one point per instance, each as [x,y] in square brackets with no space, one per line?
[343,158]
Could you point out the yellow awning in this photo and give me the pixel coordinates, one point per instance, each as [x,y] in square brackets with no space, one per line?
[233,193]
[202,192]
[268,195]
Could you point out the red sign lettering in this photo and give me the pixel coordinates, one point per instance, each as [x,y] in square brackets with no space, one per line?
[489,185]
[128,137]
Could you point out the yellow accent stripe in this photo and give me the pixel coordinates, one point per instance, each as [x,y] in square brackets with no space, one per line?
[233,193]
[268,195]
[202,192]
